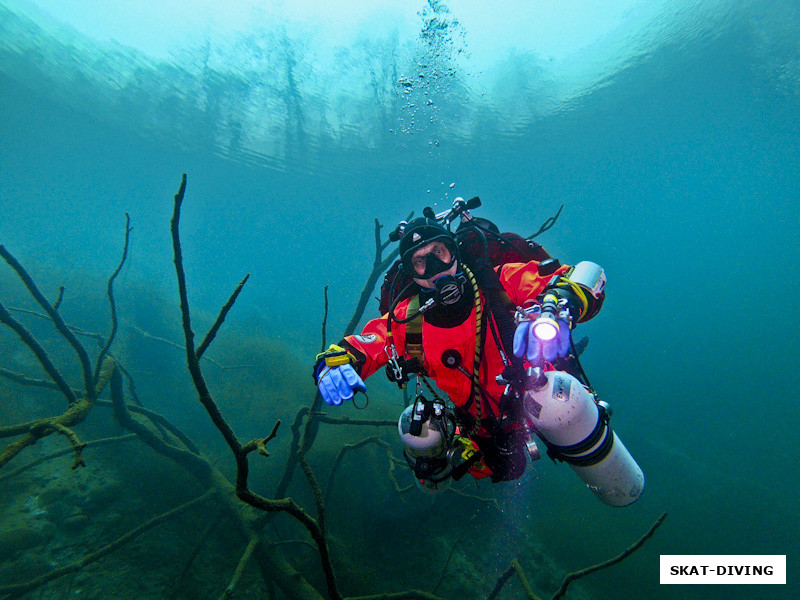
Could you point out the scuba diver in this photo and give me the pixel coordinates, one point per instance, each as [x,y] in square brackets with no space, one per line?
[488,317]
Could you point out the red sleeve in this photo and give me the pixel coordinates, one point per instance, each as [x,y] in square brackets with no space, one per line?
[522,280]
[370,347]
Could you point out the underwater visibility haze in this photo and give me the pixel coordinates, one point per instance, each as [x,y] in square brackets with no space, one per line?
[668,130]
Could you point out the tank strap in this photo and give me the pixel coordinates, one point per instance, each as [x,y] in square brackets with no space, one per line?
[574,454]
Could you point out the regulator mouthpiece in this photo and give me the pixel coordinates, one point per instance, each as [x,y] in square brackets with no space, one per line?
[448,289]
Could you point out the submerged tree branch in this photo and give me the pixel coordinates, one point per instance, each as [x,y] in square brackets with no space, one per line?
[347,448]
[240,453]
[75,413]
[199,466]
[60,297]
[40,353]
[324,335]
[155,338]
[548,223]
[237,574]
[220,318]
[111,301]
[593,569]
[42,459]
[94,381]
[516,568]
[379,266]
[260,444]
[76,330]
[83,356]
[212,524]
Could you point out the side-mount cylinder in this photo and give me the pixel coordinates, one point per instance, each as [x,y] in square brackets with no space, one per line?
[576,431]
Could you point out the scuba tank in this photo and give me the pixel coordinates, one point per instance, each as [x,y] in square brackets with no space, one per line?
[433,450]
[426,449]
[575,430]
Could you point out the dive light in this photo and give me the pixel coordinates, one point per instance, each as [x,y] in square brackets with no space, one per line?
[545,327]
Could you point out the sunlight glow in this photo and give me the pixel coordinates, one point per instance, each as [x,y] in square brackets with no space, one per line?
[554,30]
[269,73]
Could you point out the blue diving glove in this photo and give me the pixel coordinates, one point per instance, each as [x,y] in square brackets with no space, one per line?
[336,378]
[530,343]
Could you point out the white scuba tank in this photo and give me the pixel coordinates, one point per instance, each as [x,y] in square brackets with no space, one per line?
[426,453]
[570,423]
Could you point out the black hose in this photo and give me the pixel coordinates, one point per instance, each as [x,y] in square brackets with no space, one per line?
[400,298]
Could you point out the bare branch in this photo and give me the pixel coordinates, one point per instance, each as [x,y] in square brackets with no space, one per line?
[76,330]
[260,444]
[345,449]
[155,338]
[324,418]
[286,478]
[42,459]
[220,318]
[502,580]
[192,462]
[112,303]
[593,569]
[548,223]
[325,321]
[60,297]
[570,577]
[454,547]
[312,480]
[514,568]
[243,492]
[158,420]
[75,442]
[75,413]
[191,356]
[28,339]
[65,331]
[212,524]
[379,265]
[237,575]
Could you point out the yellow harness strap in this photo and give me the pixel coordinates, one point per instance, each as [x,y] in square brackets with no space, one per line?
[414,344]
[414,331]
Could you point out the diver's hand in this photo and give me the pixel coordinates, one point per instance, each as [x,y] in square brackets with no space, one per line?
[337,384]
[335,376]
[528,345]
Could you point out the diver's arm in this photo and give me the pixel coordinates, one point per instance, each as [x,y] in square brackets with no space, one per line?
[582,286]
[369,347]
